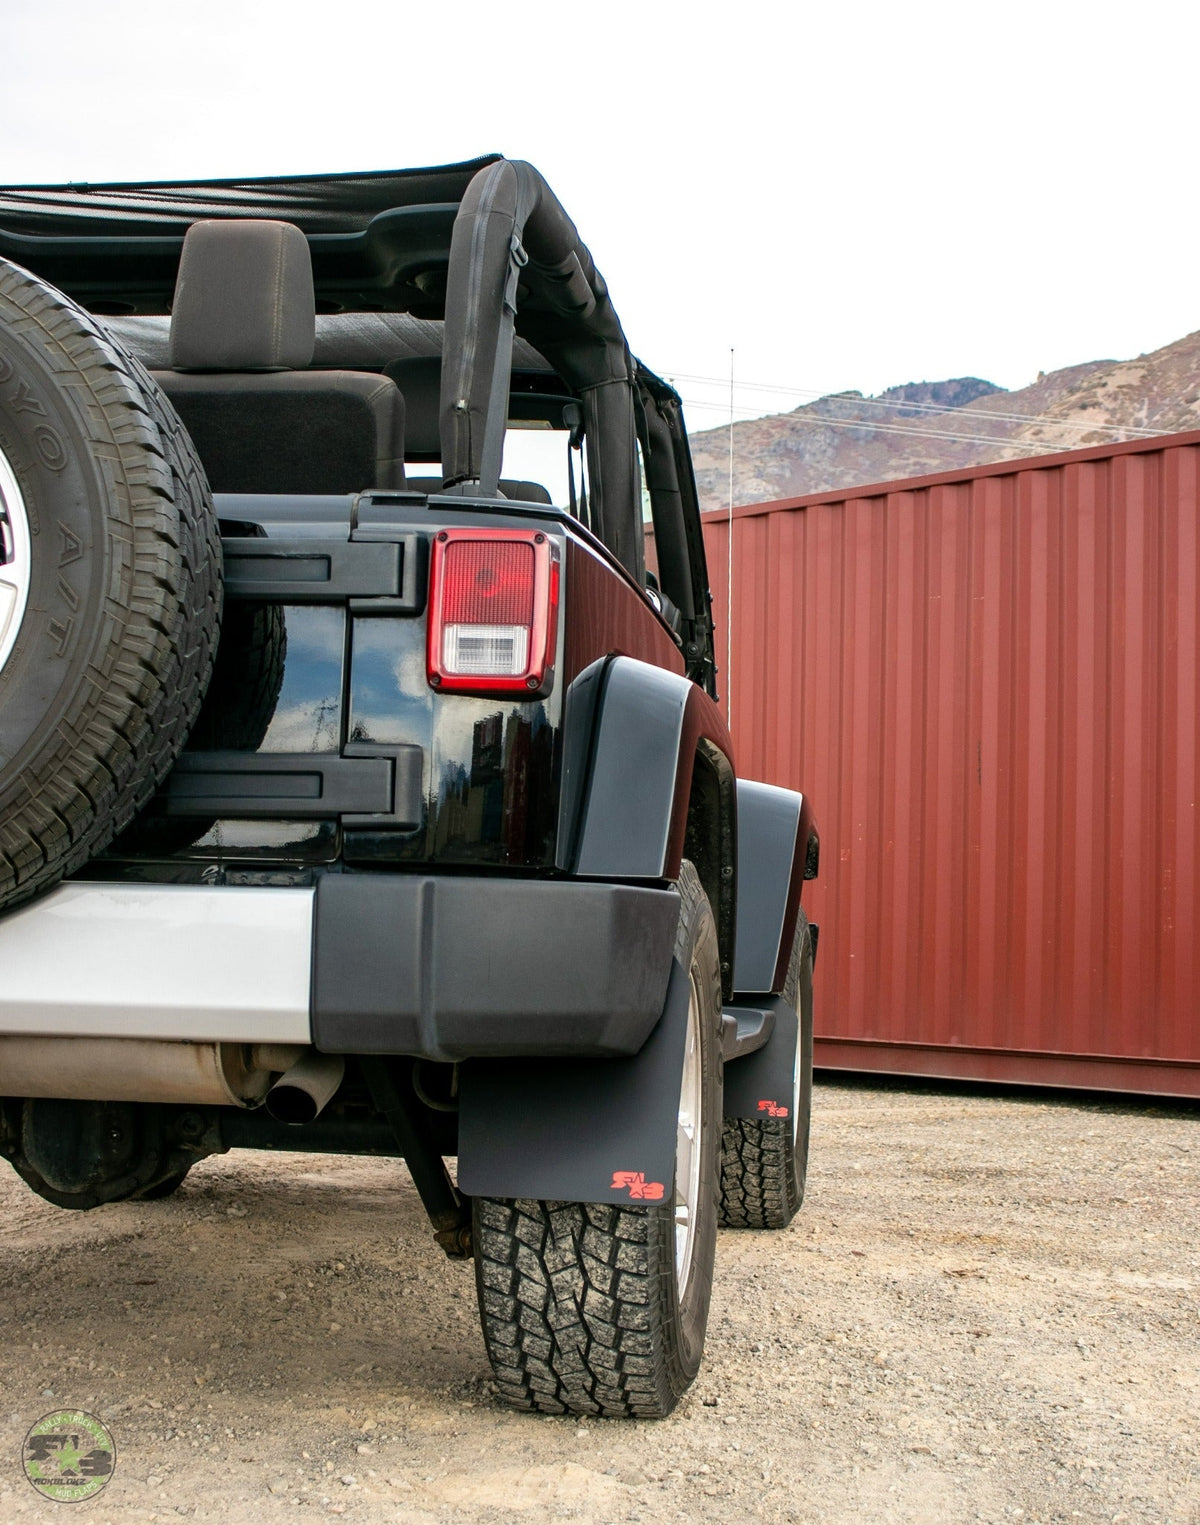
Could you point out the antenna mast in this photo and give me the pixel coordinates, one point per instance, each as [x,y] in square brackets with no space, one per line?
[729,589]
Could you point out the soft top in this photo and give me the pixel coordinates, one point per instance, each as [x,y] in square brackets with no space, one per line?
[144,209]
[484,246]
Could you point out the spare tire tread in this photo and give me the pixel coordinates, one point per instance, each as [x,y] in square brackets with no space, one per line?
[122,729]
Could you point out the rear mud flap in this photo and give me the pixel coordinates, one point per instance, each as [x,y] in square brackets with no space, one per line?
[577,1130]
[760,1084]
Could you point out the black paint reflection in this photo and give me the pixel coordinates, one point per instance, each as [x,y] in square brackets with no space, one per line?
[390,700]
[277,681]
[307,716]
[247,679]
[495,804]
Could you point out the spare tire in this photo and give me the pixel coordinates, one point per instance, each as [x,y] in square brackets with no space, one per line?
[110,591]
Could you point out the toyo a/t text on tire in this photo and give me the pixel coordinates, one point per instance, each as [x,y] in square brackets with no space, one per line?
[109,585]
[595,1308]
[764,1161]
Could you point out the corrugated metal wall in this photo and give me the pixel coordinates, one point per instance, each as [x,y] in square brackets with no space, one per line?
[987,683]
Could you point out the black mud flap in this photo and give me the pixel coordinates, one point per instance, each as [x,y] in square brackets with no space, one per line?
[760,1084]
[577,1130]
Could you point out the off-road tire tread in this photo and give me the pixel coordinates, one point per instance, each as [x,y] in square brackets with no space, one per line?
[757,1185]
[758,1182]
[569,1315]
[127,722]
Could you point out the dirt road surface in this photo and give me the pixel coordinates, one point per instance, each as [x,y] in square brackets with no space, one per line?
[987,1310]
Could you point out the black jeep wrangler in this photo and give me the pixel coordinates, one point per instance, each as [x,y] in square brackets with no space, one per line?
[358,797]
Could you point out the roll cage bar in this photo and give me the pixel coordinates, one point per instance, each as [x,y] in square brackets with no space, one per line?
[517,264]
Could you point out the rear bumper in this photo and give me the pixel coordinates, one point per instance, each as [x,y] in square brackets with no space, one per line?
[457,968]
[438,967]
[188,962]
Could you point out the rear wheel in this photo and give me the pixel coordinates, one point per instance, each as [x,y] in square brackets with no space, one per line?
[764,1161]
[595,1308]
[109,585]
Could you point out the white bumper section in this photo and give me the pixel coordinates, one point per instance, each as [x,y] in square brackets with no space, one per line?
[184,962]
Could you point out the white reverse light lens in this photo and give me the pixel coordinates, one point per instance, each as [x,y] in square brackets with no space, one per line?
[491,651]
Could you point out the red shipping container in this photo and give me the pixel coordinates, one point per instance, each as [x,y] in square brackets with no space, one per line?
[986,681]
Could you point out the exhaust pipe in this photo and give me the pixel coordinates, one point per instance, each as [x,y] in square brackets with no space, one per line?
[306,1089]
[159,1070]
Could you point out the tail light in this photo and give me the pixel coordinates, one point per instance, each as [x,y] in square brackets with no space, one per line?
[493,610]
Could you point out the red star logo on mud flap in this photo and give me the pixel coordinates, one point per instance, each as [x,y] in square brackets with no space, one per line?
[635,1182]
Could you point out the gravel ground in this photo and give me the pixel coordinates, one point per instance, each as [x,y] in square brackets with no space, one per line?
[987,1310]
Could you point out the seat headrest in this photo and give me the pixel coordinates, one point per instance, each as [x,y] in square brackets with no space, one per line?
[243,298]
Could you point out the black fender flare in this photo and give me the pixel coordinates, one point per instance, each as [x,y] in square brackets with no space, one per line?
[778,849]
[648,779]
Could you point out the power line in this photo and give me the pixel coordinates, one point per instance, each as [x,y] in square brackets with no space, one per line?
[880,428]
[922,407]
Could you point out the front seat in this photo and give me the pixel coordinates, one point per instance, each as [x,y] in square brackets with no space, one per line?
[243,328]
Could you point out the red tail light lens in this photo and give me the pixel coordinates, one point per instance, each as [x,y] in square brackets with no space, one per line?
[493,606]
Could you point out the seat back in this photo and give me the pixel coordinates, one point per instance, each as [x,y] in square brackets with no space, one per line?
[243,327]
[419,377]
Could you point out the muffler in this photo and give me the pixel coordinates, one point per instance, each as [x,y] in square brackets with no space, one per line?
[307,1088]
[142,1069]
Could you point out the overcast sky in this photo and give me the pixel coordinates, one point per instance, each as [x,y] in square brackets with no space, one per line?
[848,196]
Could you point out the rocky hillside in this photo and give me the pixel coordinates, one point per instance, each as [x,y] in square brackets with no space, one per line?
[848,439]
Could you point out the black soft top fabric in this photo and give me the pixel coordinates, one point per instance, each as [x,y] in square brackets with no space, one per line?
[315,203]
